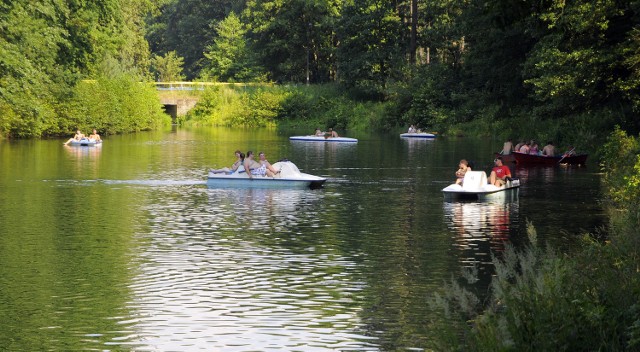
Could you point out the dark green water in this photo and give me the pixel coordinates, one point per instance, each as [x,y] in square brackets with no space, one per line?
[124,247]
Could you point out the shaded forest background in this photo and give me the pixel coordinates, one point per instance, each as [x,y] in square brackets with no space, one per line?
[567,68]
[567,71]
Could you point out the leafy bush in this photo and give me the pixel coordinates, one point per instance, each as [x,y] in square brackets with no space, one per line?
[621,167]
[541,301]
[114,105]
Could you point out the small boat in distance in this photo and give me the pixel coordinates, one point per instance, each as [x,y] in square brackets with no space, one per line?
[289,176]
[419,135]
[85,143]
[532,159]
[324,139]
[475,186]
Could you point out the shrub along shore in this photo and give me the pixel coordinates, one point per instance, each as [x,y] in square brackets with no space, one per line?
[541,300]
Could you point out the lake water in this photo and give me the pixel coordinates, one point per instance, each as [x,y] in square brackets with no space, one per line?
[124,247]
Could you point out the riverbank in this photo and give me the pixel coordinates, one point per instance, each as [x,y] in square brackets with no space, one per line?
[543,300]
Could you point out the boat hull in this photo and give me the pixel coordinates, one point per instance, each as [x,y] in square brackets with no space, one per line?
[475,186]
[503,194]
[421,135]
[323,139]
[264,182]
[288,178]
[530,159]
[85,143]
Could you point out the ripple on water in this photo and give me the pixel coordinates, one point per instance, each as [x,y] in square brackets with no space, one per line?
[223,268]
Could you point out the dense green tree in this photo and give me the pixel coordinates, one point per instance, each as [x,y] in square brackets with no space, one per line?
[581,62]
[187,27]
[229,59]
[295,40]
[30,77]
[370,52]
[168,68]
[47,46]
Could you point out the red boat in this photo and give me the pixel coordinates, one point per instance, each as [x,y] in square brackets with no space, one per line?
[532,159]
[508,158]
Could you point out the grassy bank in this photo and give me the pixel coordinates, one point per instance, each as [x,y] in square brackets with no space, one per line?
[321,106]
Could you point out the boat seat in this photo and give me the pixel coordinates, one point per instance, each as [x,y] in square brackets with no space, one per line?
[474,180]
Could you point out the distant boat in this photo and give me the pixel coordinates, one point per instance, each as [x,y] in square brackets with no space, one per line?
[421,135]
[288,177]
[475,186]
[85,143]
[324,139]
[532,159]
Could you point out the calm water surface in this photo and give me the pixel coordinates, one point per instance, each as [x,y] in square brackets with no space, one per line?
[124,247]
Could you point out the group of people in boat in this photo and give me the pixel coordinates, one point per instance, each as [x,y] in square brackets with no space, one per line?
[79,136]
[499,176]
[329,134]
[258,168]
[531,147]
[414,129]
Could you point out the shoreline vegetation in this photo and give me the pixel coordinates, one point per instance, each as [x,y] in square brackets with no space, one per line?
[560,71]
[542,300]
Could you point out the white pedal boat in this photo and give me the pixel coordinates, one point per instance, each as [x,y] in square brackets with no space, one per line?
[288,177]
[85,143]
[422,135]
[475,186]
[323,139]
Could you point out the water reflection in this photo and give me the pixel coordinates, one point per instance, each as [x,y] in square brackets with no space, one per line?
[81,152]
[481,229]
[275,209]
[244,270]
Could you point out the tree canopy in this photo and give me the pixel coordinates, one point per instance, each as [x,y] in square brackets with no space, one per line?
[435,62]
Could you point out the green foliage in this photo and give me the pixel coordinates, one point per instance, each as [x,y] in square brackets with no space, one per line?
[318,106]
[370,54]
[621,168]
[229,58]
[294,37]
[115,105]
[168,68]
[187,27]
[45,47]
[541,301]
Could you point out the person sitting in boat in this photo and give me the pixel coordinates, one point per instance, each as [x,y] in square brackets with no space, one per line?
[239,160]
[518,146]
[94,136]
[269,169]
[77,137]
[252,167]
[412,129]
[507,147]
[331,134]
[570,152]
[318,133]
[533,150]
[524,149]
[499,173]
[463,167]
[549,149]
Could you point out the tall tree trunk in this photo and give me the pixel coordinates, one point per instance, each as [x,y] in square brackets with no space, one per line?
[413,45]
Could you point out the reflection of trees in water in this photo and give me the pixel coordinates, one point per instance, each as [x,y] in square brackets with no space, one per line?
[539,173]
[270,210]
[481,230]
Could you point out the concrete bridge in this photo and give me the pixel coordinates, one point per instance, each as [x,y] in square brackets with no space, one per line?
[179,97]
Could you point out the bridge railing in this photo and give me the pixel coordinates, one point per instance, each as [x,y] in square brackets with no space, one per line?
[189,86]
